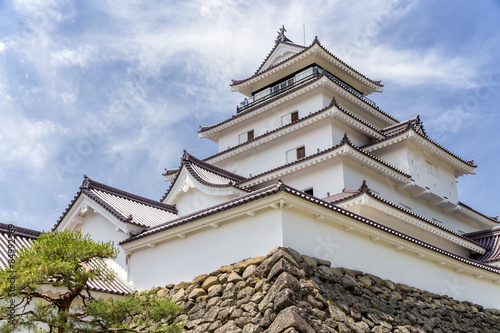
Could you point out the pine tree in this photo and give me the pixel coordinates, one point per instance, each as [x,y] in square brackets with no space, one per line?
[66,261]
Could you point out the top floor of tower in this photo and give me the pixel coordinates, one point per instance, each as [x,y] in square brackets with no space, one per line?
[289,64]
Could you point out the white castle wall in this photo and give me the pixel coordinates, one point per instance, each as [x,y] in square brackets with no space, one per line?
[351,250]
[201,252]
[181,259]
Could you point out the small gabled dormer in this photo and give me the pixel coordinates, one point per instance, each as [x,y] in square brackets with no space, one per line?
[197,185]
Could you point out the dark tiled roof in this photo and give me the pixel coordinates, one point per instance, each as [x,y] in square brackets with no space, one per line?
[316,41]
[417,126]
[117,285]
[401,127]
[205,173]
[352,193]
[332,103]
[344,141]
[279,96]
[489,238]
[18,231]
[491,218]
[22,238]
[280,187]
[170,172]
[252,196]
[253,108]
[125,206]
[15,236]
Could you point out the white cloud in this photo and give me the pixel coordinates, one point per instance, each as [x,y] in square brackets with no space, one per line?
[68,98]
[412,68]
[2,47]
[66,57]
[25,142]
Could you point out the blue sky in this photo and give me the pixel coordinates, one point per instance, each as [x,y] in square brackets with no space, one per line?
[116,90]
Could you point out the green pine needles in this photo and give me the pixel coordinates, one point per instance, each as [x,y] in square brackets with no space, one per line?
[45,290]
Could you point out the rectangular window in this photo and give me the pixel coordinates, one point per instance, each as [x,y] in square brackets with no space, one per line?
[294,154]
[301,152]
[247,136]
[290,118]
[432,169]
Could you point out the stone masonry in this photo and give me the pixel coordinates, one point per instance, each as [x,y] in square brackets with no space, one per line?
[288,292]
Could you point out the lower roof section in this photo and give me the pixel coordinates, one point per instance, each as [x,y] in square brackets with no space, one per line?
[20,238]
[281,196]
[279,215]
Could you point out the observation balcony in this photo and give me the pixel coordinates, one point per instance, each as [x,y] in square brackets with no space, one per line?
[306,75]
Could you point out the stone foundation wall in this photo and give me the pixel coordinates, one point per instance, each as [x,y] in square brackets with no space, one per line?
[288,292]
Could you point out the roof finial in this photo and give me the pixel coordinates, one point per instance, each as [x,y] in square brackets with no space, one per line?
[364,188]
[86,182]
[281,35]
[345,139]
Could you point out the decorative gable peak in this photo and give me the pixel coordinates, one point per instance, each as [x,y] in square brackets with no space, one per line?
[281,36]
[283,49]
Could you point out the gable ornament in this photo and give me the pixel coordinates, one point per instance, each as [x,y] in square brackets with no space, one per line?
[188,183]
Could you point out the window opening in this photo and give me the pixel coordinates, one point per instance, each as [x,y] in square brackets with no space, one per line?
[244,137]
[432,169]
[301,152]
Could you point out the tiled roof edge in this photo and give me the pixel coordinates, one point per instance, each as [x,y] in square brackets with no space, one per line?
[378,83]
[209,127]
[491,218]
[393,205]
[19,231]
[266,191]
[249,110]
[278,187]
[410,128]
[387,202]
[332,103]
[484,232]
[186,158]
[394,232]
[344,141]
[209,167]
[92,184]
[315,41]
[68,208]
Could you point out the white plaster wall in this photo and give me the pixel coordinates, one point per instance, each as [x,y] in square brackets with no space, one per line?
[102,230]
[354,174]
[325,178]
[273,154]
[194,200]
[396,155]
[269,120]
[412,230]
[411,159]
[353,107]
[353,251]
[443,185]
[203,252]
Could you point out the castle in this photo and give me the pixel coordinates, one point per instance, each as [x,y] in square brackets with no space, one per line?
[308,161]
